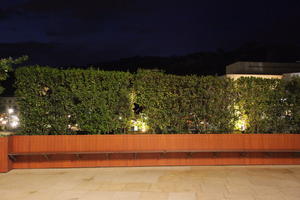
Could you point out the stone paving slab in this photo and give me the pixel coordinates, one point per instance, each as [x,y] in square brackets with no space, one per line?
[154,183]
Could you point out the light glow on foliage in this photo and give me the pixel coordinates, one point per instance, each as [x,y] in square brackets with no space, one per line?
[9,121]
[242,119]
[14,124]
[140,124]
[240,125]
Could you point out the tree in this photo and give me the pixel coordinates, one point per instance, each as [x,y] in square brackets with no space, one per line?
[6,65]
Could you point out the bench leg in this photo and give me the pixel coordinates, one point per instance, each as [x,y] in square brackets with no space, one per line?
[12,158]
[46,156]
[189,154]
[243,154]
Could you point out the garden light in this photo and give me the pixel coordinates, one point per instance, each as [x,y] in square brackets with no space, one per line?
[9,120]
[13,121]
[14,124]
[14,117]
[240,125]
[144,129]
[139,125]
[10,111]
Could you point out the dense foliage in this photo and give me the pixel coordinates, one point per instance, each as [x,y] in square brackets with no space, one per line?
[54,101]
[268,105]
[6,65]
[292,98]
[260,104]
[185,103]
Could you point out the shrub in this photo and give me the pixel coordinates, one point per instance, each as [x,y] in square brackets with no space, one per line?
[258,100]
[292,101]
[269,105]
[185,103]
[52,100]
[72,101]
[6,65]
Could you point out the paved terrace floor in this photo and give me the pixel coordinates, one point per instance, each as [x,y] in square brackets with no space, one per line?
[154,183]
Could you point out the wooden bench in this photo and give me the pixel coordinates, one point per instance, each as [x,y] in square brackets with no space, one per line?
[215,152]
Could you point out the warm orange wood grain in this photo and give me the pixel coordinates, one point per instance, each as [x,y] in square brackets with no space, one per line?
[5,163]
[59,143]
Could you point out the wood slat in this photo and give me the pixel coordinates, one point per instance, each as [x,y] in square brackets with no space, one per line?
[163,151]
[154,150]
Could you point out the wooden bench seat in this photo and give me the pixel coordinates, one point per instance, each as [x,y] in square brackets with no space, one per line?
[12,156]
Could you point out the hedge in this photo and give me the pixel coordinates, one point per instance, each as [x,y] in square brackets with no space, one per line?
[268,105]
[75,101]
[52,100]
[292,98]
[6,66]
[176,104]
[261,104]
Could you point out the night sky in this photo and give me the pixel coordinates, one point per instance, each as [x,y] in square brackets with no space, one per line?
[76,32]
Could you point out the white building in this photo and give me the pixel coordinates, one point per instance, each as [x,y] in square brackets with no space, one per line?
[261,69]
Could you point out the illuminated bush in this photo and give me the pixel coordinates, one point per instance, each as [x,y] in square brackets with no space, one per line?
[268,105]
[181,104]
[54,101]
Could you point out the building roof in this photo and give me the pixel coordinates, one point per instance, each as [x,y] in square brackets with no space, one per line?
[290,75]
[237,76]
[263,68]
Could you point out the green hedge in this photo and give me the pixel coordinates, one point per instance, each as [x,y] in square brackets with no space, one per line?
[6,66]
[53,100]
[292,99]
[268,105]
[260,104]
[185,103]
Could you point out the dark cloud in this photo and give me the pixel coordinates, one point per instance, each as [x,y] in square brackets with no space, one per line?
[7,49]
[82,32]
[72,28]
[3,14]
[62,54]
[56,5]
[73,18]
[37,51]
[85,10]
